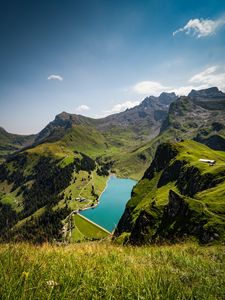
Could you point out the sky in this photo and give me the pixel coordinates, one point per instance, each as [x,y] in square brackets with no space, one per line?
[96,57]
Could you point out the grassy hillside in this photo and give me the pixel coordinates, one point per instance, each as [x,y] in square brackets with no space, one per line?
[10,143]
[39,188]
[83,229]
[105,271]
[178,197]
[117,146]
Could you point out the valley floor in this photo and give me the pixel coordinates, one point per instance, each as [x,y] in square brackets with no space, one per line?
[101,270]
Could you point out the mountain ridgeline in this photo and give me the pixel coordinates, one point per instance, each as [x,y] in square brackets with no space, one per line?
[10,143]
[142,121]
[44,177]
[199,116]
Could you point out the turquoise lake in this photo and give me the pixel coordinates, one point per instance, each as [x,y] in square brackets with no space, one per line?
[112,203]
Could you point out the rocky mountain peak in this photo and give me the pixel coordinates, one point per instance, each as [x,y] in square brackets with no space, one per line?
[63,115]
[68,119]
[148,101]
[212,92]
[164,99]
[167,98]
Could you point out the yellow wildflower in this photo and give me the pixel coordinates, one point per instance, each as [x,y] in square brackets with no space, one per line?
[25,275]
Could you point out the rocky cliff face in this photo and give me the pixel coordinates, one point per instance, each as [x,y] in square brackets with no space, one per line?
[212,92]
[167,98]
[170,202]
[199,116]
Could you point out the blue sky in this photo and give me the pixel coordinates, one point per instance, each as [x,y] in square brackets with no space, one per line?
[100,57]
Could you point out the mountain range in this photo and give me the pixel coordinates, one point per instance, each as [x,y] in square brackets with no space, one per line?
[39,174]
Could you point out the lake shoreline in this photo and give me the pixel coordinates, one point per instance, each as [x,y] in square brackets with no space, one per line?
[98,200]
[111,202]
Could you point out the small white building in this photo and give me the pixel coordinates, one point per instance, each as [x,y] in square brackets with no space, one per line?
[208,161]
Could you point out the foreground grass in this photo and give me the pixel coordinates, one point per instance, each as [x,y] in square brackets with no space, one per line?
[103,271]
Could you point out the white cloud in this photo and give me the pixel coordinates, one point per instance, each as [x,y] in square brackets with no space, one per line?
[185,90]
[82,108]
[149,88]
[122,106]
[212,76]
[201,27]
[55,77]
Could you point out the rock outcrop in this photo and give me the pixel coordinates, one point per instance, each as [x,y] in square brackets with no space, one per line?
[170,202]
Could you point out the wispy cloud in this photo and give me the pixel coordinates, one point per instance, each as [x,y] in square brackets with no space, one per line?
[185,90]
[82,108]
[122,106]
[55,77]
[201,27]
[149,88]
[211,76]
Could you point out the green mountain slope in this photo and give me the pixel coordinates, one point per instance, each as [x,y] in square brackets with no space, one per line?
[10,143]
[39,187]
[178,197]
